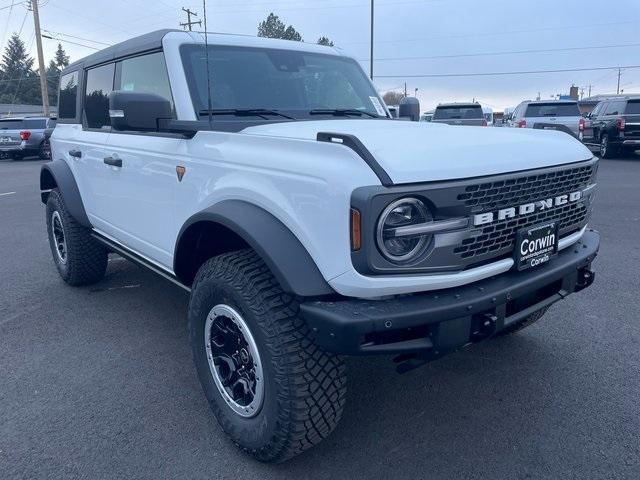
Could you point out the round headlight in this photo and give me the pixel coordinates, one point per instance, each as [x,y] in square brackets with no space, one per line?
[395,244]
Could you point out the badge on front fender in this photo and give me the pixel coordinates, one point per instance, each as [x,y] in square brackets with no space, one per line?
[536,245]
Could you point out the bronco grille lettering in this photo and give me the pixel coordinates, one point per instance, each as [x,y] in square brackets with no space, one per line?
[525,209]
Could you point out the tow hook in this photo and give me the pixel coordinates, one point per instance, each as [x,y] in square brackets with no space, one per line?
[585,278]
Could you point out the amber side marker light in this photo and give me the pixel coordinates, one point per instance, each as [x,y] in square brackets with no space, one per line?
[355,230]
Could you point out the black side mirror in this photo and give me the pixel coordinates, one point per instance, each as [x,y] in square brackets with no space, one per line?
[137,111]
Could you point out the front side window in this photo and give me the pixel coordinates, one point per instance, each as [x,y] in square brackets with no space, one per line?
[67,99]
[144,74]
[298,84]
[96,98]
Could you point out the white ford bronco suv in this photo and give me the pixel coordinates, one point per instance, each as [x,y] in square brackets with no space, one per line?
[267,178]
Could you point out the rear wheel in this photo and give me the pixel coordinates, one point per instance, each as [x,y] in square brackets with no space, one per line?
[524,323]
[79,258]
[606,149]
[273,391]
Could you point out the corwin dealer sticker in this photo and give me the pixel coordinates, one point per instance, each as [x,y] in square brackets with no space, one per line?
[378,106]
[536,245]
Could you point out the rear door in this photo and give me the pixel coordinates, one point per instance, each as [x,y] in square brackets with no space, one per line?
[89,143]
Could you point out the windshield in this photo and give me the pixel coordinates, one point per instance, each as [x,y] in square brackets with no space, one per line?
[458,113]
[552,110]
[285,81]
[633,108]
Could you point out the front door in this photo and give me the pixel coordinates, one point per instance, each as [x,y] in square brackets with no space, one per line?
[139,170]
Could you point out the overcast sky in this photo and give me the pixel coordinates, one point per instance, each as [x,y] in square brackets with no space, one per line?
[459,29]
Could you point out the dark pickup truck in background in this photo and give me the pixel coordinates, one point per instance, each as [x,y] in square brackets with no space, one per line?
[26,136]
[614,126]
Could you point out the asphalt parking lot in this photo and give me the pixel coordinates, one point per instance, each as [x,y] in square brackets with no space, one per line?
[98,382]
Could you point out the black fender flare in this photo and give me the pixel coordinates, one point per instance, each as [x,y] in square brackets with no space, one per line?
[284,254]
[57,174]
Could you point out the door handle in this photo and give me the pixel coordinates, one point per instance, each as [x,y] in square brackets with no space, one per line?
[114,162]
[75,153]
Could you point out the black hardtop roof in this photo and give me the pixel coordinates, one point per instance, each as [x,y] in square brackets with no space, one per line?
[142,43]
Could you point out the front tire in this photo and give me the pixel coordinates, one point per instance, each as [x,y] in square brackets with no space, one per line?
[272,390]
[79,258]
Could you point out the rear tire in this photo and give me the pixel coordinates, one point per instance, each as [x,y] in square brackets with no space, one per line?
[524,323]
[79,258]
[302,390]
[606,149]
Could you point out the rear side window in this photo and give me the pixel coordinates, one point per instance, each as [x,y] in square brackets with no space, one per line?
[11,124]
[458,113]
[633,108]
[96,98]
[68,97]
[552,110]
[144,74]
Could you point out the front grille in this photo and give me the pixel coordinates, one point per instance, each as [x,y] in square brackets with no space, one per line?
[497,240]
[489,196]
[499,237]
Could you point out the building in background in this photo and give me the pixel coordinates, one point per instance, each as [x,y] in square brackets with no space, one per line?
[8,109]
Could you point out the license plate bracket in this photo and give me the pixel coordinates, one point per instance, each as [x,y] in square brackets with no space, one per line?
[536,245]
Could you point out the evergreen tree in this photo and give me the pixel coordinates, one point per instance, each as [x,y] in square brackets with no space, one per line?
[325,41]
[273,27]
[19,83]
[59,62]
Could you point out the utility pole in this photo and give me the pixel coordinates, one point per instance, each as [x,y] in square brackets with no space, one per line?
[188,23]
[618,89]
[589,90]
[33,4]
[405,89]
[371,60]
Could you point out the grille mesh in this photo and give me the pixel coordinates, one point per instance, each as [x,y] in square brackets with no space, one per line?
[516,191]
[498,239]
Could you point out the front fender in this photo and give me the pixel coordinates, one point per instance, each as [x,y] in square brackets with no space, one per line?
[286,257]
[57,174]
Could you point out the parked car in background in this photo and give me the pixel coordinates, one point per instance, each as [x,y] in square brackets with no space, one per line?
[549,115]
[26,136]
[487,112]
[427,116]
[459,114]
[614,126]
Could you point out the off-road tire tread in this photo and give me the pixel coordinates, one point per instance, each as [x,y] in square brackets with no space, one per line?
[311,382]
[87,259]
[524,323]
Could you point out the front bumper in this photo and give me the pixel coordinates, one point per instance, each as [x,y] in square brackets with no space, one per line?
[435,323]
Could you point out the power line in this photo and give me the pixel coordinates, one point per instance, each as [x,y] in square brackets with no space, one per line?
[77,38]
[487,74]
[69,41]
[513,52]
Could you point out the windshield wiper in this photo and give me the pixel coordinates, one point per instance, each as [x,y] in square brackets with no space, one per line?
[244,112]
[342,112]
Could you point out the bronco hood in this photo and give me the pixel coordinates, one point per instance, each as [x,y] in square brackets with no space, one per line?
[418,152]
